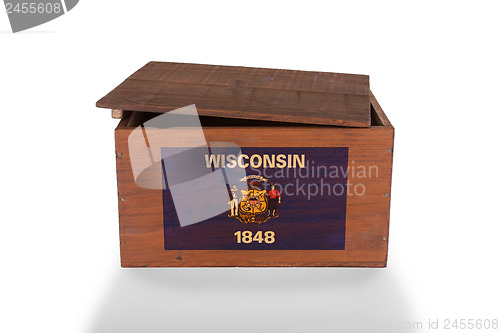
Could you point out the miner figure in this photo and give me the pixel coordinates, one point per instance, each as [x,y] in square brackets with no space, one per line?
[274,200]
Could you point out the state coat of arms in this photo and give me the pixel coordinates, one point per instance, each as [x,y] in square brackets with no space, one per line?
[254,204]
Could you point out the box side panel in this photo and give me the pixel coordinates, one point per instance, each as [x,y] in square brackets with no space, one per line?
[380,113]
[367,221]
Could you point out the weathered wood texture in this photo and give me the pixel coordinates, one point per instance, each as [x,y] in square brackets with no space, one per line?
[367,223]
[246,93]
[116,114]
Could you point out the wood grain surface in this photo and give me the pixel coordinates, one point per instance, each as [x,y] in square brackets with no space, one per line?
[247,93]
[367,222]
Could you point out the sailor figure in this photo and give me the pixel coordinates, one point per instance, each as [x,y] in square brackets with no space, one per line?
[234,201]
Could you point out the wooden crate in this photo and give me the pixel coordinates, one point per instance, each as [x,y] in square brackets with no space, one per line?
[331,119]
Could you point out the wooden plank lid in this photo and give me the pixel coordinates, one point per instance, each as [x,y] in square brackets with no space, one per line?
[246,93]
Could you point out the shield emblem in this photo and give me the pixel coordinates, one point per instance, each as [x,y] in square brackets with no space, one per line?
[253,206]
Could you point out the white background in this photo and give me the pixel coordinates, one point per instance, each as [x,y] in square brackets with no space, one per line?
[434,67]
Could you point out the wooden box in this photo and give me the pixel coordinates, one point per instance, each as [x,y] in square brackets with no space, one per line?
[315,150]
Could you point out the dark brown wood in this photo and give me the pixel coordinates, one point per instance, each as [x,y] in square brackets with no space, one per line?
[367,223]
[246,93]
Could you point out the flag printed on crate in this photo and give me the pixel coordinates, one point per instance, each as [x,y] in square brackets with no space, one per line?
[290,198]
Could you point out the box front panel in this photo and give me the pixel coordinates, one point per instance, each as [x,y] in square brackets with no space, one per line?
[348,229]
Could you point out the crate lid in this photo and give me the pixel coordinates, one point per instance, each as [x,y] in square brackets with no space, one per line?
[246,93]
